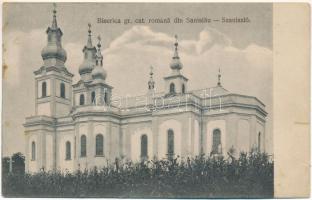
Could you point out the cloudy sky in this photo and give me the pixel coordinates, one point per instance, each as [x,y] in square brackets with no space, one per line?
[242,51]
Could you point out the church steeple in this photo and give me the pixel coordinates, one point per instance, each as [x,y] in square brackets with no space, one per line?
[151,82]
[176,83]
[176,64]
[88,64]
[53,54]
[54,22]
[98,72]
[53,89]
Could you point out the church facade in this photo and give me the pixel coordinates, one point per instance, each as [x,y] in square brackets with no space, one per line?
[80,126]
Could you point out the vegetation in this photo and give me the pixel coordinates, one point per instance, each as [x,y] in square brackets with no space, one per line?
[18,163]
[251,175]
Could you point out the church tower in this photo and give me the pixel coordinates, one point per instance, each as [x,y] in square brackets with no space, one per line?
[53,81]
[175,83]
[101,92]
[88,64]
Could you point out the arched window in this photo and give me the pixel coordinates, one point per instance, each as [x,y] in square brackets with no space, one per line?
[62,88]
[83,146]
[82,100]
[93,97]
[105,97]
[259,141]
[172,88]
[68,151]
[183,88]
[33,151]
[170,144]
[44,89]
[99,149]
[216,141]
[144,147]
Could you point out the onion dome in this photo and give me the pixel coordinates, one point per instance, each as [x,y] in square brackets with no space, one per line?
[99,72]
[176,63]
[89,56]
[54,49]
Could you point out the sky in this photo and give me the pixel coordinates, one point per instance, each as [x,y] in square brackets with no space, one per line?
[243,51]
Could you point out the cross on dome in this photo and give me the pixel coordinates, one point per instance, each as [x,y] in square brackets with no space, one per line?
[219,77]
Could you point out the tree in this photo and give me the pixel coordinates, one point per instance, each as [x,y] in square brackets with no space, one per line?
[5,165]
[18,165]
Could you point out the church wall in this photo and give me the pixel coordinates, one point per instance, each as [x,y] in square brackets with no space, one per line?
[114,141]
[176,127]
[211,125]
[136,142]
[260,129]
[49,152]
[231,131]
[44,109]
[33,164]
[82,162]
[131,140]
[62,109]
[63,163]
[243,136]
[196,141]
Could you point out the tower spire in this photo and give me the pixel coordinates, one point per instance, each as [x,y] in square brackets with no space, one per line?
[151,82]
[99,57]
[176,63]
[176,44]
[98,72]
[53,50]
[89,43]
[54,22]
[219,77]
[89,61]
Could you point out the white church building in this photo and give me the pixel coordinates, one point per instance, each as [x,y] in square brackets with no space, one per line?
[80,125]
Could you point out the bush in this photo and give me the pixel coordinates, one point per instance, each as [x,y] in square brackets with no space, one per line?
[251,175]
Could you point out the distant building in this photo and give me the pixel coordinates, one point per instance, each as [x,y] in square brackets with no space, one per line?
[78,126]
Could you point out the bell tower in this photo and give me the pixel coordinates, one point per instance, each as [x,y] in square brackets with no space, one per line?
[53,81]
[175,83]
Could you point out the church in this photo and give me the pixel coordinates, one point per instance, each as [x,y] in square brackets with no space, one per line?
[80,126]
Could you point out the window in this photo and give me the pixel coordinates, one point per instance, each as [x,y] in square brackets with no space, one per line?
[68,151]
[44,89]
[105,97]
[33,151]
[172,88]
[216,141]
[82,100]
[170,144]
[259,141]
[183,88]
[83,146]
[99,149]
[62,90]
[93,97]
[144,147]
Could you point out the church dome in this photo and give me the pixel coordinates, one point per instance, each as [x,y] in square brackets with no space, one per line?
[176,64]
[86,66]
[54,51]
[99,72]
